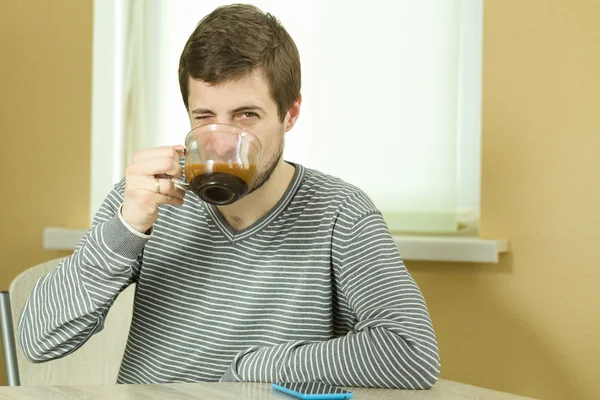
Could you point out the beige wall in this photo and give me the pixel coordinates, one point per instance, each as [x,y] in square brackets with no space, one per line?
[529,325]
[45,87]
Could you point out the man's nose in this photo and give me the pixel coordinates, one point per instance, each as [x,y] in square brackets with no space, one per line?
[223,144]
[224,120]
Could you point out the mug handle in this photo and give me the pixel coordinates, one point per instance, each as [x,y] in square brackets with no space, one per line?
[179,183]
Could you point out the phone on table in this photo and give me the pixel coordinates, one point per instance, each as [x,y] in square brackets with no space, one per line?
[312,390]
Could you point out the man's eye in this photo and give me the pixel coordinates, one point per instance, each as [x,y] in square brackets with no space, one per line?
[249,114]
[200,117]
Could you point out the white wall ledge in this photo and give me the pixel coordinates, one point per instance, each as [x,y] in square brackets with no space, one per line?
[451,249]
[416,248]
[62,238]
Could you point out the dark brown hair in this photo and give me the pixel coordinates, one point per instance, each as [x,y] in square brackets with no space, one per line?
[235,40]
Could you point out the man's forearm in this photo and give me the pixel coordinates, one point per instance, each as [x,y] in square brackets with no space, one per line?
[69,304]
[373,357]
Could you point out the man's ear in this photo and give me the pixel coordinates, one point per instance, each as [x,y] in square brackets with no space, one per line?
[292,115]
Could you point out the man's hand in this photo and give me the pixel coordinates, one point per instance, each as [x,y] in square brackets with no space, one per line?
[140,205]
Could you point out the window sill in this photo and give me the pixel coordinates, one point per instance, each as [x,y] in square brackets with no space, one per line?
[416,248]
[451,249]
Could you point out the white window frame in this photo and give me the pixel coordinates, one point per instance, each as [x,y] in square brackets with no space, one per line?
[107,164]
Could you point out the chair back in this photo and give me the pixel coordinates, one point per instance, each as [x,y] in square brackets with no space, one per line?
[97,362]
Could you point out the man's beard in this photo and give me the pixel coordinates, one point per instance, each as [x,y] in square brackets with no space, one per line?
[264,175]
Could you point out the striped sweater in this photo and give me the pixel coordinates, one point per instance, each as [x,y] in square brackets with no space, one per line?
[315,290]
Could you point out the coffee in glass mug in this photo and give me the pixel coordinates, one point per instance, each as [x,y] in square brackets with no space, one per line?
[220,162]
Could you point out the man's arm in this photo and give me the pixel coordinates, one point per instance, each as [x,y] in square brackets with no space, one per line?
[68,305]
[392,345]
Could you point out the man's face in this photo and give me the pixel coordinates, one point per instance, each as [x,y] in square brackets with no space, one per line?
[247,103]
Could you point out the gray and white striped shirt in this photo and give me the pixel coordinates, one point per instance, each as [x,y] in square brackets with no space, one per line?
[315,290]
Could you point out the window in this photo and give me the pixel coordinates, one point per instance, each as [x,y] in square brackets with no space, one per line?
[391,96]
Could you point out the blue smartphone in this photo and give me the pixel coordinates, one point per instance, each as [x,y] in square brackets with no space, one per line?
[312,390]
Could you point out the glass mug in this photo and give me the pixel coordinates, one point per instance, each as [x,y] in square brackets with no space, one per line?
[220,163]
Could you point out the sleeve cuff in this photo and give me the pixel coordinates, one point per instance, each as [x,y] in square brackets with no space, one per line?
[232,374]
[146,235]
[115,236]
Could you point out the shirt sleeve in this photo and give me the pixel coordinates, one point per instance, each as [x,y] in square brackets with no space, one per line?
[393,343]
[68,305]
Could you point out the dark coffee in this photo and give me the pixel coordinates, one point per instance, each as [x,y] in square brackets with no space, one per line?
[218,188]
[220,184]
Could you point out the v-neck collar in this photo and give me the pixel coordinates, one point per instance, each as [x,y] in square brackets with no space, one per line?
[273,213]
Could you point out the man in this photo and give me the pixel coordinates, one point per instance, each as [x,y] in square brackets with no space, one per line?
[298,281]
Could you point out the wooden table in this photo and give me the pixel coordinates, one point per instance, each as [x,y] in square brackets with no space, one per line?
[444,389]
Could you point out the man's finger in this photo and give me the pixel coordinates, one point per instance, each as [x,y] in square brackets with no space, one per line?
[155,166]
[156,152]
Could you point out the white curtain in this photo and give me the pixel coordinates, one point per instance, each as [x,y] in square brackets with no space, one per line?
[391,96]
[136,81]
